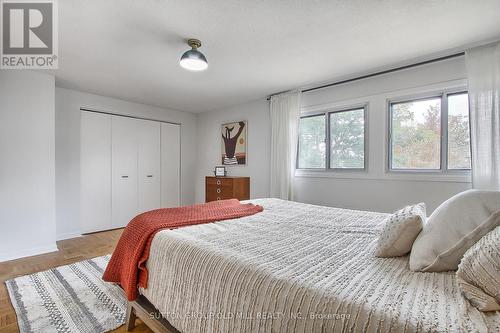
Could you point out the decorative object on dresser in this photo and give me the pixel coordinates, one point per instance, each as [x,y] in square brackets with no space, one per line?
[220,188]
[234,143]
[220,171]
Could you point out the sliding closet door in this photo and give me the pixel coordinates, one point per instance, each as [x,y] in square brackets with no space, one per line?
[170,164]
[95,172]
[124,170]
[128,166]
[148,136]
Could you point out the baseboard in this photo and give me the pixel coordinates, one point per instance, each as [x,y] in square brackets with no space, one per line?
[28,252]
[68,235]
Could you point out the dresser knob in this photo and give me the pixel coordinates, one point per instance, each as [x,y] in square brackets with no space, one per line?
[218,190]
[218,182]
[218,198]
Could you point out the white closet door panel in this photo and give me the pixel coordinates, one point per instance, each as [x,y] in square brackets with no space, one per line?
[124,170]
[170,165]
[95,172]
[149,165]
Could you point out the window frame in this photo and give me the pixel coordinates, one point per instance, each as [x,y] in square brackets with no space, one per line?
[327,114]
[298,140]
[443,142]
[447,156]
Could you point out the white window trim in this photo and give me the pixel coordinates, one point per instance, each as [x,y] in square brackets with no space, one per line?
[377,169]
[326,111]
[443,173]
[409,176]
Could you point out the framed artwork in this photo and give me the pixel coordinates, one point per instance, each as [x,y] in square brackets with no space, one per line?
[234,143]
[220,171]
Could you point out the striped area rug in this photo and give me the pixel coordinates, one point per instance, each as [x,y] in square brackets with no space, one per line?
[71,298]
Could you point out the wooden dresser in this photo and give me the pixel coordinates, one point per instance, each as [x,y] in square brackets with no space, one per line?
[220,188]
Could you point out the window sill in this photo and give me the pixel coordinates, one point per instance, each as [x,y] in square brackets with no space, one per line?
[388,176]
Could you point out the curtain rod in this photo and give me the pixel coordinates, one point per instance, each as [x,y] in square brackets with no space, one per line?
[455,55]
[128,116]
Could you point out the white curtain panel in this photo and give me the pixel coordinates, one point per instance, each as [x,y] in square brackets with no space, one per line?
[285,113]
[483,74]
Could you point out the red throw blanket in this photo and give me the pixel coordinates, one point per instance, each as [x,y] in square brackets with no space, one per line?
[127,265]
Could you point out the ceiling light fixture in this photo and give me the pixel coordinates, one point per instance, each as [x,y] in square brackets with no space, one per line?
[194,60]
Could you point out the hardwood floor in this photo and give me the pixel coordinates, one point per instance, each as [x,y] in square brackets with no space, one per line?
[70,250]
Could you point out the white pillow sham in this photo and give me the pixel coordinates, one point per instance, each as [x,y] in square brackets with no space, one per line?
[478,274]
[453,228]
[400,231]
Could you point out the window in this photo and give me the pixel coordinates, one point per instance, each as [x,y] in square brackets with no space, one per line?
[343,132]
[458,132]
[430,133]
[312,142]
[347,139]
[416,134]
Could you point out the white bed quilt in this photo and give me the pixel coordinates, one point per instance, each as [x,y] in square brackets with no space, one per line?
[299,268]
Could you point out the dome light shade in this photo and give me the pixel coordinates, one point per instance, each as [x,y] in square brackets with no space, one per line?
[194,60]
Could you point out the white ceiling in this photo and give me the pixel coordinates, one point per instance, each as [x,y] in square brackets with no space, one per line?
[130,49]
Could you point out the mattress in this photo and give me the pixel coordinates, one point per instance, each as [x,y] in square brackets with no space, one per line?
[299,268]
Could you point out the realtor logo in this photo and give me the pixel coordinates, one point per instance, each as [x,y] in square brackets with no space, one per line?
[29,34]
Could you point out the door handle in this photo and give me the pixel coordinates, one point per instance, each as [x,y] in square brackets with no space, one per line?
[149,176]
[125,176]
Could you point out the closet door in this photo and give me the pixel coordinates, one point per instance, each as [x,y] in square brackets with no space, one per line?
[95,172]
[124,170]
[148,152]
[170,164]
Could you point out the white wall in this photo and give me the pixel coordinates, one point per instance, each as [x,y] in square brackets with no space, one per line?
[39,193]
[27,180]
[372,190]
[68,104]
[259,136]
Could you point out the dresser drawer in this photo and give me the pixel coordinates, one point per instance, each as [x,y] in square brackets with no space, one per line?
[213,181]
[221,191]
[221,188]
[214,196]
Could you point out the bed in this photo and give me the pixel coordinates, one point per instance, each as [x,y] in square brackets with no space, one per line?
[299,268]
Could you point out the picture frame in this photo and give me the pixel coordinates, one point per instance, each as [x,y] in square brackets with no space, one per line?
[234,138]
[220,171]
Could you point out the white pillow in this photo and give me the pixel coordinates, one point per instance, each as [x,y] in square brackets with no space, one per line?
[400,231]
[453,228]
[478,274]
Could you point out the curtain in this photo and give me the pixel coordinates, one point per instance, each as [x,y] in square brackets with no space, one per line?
[284,115]
[483,74]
